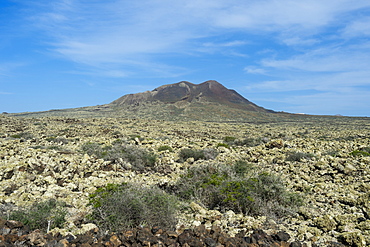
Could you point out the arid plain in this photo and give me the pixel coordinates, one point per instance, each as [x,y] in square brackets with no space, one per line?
[325,160]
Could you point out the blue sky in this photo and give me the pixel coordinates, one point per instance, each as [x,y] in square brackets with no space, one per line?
[308,56]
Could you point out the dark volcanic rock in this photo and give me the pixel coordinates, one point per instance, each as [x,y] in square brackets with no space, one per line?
[16,235]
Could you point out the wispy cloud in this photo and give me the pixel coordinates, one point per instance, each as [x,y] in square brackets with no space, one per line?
[6,67]
[359,27]
[120,31]
[323,61]
[226,44]
[254,70]
[5,93]
[322,103]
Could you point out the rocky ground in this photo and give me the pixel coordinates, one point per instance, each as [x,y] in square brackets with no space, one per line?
[322,160]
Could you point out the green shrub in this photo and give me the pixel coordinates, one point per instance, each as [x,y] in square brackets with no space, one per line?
[165,147]
[139,158]
[242,167]
[133,137]
[57,139]
[238,187]
[24,135]
[223,145]
[365,149]
[299,156]
[359,153]
[229,139]
[197,154]
[54,147]
[249,142]
[116,207]
[187,153]
[333,153]
[210,153]
[117,134]
[38,215]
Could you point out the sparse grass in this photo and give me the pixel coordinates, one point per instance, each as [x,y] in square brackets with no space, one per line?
[116,207]
[38,215]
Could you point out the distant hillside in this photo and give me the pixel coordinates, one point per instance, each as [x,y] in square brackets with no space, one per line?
[208,101]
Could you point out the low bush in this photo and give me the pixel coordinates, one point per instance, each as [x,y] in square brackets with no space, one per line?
[239,187]
[229,139]
[164,148]
[365,151]
[23,135]
[39,214]
[223,145]
[333,153]
[299,156]
[197,154]
[187,153]
[139,158]
[116,207]
[359,153]
[57,139]
[249,142]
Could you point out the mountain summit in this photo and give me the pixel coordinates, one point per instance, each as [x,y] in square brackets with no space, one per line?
[184,92]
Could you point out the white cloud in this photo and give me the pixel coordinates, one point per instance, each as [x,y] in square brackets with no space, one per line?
[254,70]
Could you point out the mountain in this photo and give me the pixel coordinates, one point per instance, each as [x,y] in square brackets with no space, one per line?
[207,101]
[186,92]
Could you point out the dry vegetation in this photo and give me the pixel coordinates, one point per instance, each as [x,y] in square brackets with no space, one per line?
[316,170]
